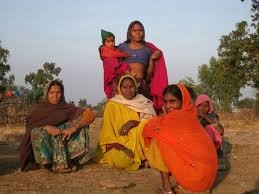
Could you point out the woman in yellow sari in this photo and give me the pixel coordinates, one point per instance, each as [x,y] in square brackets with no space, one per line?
[121,143]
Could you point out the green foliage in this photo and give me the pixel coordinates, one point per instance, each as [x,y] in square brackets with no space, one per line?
[253,70]
[205,75]
[5,81]
[188,81]
[255,13]
[83,104]
[4,67]
[217,81]
[39,79]
[245,103]
[99,108]
[235,68]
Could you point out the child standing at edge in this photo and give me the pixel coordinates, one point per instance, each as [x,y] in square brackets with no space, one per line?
[112,66]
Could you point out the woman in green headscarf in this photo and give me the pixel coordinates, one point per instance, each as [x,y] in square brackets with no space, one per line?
[120,141]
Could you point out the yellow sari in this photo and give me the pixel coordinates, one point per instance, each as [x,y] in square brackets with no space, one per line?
[117,112]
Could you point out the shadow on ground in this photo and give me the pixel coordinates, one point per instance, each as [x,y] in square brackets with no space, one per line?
[8,158]
[255,190]
[9,162]
[222,174]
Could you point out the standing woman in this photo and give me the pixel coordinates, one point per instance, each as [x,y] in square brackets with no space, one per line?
[146,62]
[56,133]
[178,144]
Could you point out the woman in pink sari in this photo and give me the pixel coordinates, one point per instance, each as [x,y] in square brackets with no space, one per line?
[209,119]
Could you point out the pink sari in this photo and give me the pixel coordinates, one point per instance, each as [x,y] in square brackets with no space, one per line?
[159,81]
[211,130]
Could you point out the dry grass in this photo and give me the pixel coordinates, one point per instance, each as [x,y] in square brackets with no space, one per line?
[241,131]
[239,120]
[10,133]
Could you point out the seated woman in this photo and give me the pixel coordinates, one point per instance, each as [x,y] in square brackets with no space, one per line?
[210,121]
[56,133]
[120,141]
[147,64]
[178,144]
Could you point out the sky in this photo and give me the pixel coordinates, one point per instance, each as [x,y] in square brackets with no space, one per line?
[68,33]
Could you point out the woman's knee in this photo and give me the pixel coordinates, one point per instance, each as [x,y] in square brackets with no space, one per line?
[38,132]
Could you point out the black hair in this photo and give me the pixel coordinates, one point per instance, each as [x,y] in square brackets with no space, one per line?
[129,31]
[174,90]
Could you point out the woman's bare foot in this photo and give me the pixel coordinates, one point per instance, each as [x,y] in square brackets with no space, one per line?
[162,191]
[62,169]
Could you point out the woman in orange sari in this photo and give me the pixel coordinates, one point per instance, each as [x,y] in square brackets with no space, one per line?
[177,144]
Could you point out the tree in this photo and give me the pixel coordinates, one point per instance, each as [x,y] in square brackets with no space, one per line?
[254,37]
[217,81]
[237,65]
[83,104]
[99,108]
[4,67]
[245,103]
[205,76]
[5,81]
[255,13]
[188,81]
[39,79]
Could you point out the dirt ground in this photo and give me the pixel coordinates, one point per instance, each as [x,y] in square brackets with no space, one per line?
[241,132]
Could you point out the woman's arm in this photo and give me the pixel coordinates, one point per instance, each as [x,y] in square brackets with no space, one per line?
[215,122]
[151,67]
[219,127]
[128,126]
[85,119]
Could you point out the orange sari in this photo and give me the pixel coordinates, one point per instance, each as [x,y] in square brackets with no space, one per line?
[184,145]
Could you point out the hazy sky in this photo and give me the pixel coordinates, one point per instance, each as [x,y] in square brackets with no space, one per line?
[68,33]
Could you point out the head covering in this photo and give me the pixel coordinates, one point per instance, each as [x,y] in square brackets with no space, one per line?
[139,103]
[47,88]
[204,98]
[130,77]
[184,146]
[105,34]
[186,98]
[44,114]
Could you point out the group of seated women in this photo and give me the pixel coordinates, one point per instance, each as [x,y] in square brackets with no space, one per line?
[169,138]
[174,142]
